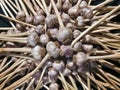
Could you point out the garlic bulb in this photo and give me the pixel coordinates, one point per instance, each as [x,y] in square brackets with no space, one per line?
[52,49]
[58,66]
[44,39]
[51,20]
[38,52]
[33,39]
[40,29]
[80,58]
[64,35]
[39,19]
[53,86]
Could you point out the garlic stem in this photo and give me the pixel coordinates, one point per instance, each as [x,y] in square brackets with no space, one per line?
[11,6]
[6,28]
[89,2]
[101,4]
[83,84]
[28,50]
[14,38]
[17,21]
[18,6]
[64,81]
[29,5]
[28,75]
[73,82]
[78,3]
[16,55]
[23,7]
[96,81]
[112,56]
[10,13]
[57,13]
[45,6]
[109,79]
[40,4]
[8,63]
[7,15]
[3,62]
[30,84]
[19,41]
[15,35]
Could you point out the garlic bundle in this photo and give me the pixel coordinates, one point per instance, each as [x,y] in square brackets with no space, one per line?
[49,31]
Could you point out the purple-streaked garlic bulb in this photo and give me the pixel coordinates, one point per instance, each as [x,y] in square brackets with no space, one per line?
[40,11]
[39,19]
[51,20]
[45,79]
[87,48]
[65,18]
[52,74]
[74,10]
[20,15]
[87,38]
[66,51]
[80,58]
[74,72]
[44,39]
[20,27]
[71,65]
[52,49]
[71,26]
[40,29]
[77,46]
[36,75]
[64,35]
[29,19]
[83,4]
[8,32]
[58,66]
[87,13]
[66,5]
[80,21]
[67,72]
[38,52]
[83,69]
[30,65]
[33,39]
[76,33]
[53,86]
[53,33]
[49,64]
